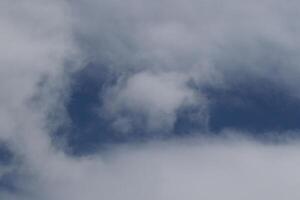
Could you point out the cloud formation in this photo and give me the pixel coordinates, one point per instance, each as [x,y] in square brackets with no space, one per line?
[211,43]
[211,169]
[157,97]
[162,56]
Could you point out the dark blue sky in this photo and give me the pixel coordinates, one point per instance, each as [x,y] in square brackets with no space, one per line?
[249,104]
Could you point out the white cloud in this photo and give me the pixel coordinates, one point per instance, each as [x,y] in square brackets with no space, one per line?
[156,96]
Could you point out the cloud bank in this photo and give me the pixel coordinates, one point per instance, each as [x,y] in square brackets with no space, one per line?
[161,57]
[211,169]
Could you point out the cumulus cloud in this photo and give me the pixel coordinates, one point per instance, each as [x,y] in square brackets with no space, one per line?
[155,96]
[163,54]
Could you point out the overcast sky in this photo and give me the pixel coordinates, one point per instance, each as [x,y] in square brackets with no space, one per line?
[149,100]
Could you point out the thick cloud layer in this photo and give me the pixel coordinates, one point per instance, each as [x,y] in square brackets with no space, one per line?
[155,60]
[210,169]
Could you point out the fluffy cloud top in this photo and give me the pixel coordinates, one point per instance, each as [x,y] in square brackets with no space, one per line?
[157,97]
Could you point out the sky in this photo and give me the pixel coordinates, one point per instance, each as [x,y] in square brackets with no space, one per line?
[158,100]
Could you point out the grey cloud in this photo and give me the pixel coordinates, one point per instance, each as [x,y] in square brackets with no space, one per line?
[156,49]
[201,168]
[212,43]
